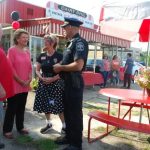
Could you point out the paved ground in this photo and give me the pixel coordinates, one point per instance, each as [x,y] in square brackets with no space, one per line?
[34,122]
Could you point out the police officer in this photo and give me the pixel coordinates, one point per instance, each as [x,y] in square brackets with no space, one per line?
[74,61]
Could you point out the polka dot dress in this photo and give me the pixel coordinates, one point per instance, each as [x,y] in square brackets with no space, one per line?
[48,98]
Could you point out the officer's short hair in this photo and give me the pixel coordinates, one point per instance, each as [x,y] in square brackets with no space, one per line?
[72,21]
[129,54]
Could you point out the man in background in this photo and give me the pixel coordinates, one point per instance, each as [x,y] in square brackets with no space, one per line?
[128,71]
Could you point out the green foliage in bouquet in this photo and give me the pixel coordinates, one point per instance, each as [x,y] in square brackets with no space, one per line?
[34,84]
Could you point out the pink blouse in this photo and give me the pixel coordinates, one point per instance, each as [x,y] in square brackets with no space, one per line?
[6,75]
[106,65]
[115,65]
[22,67]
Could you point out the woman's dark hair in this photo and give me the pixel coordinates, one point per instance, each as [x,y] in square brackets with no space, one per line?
[104,56]
[114,57]
[17,35]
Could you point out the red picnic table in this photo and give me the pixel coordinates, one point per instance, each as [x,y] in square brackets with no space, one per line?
[134,98]
[91,78]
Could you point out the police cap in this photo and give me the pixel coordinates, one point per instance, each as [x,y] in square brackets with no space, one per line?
[71,21]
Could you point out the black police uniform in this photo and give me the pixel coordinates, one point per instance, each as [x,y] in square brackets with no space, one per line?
[76,49]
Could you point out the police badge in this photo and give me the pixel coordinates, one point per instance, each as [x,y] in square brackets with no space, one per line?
[55,60]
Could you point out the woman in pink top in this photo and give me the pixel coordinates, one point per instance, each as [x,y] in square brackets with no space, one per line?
[19,57]
[105,69]
[115,67]
[6,82]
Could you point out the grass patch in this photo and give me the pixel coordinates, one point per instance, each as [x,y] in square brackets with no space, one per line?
[45,144]
[100,129]
[24,139]
[41,144]
[93,107]
[118,133]
[103,129]
[148,139]
[147,148]
[135,113]
[113,113]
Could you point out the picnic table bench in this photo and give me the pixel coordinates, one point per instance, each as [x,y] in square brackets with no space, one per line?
[131,104]
[114,121]
[127,97]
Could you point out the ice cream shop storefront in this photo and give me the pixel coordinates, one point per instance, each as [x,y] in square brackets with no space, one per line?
[49,20]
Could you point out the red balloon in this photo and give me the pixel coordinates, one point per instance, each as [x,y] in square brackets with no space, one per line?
[15,25]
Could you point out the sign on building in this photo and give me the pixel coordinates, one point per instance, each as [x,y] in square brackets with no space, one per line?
[58,12]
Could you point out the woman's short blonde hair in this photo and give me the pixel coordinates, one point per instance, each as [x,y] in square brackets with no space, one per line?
[18,33]
[52,39]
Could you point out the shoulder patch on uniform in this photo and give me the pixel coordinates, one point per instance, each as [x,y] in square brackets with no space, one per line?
[79,46]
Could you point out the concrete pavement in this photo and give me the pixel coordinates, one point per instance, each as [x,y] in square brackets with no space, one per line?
[34,121]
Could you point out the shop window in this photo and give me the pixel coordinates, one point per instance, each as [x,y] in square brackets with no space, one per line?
[5,42]
[61,44]
[35,46]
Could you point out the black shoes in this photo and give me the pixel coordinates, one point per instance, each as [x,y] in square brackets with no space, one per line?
[63,131]
[71,147]
[2,145]
[61,141]
[46,128]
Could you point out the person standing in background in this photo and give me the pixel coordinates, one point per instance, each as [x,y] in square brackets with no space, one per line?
[128,71]
[19,58]
[74,61]
[115,67]
[105,69]
[49,93]
[6,82]
[6,77]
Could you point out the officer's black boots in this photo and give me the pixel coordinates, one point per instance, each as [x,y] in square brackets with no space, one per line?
[71,147]
[61,141]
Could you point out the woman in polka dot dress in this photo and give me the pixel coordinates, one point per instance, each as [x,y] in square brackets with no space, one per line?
[50,90]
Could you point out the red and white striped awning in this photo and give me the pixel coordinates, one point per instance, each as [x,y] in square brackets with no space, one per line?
[42,26]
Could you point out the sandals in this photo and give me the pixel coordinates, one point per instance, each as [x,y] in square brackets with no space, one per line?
[8,135]
[23,131]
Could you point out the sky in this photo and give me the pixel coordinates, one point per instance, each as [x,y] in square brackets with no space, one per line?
[91,7]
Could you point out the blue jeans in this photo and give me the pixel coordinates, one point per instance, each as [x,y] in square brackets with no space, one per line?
[1,112]
[115,77]
[105,76]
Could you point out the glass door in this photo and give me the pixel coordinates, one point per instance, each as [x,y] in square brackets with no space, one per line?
[36,45]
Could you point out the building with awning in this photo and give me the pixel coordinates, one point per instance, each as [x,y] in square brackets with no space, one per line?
[39,21]
[42,26]
[34,19]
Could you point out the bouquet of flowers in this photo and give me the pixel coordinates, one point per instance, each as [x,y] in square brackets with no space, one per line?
[143,78]
[34,84]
